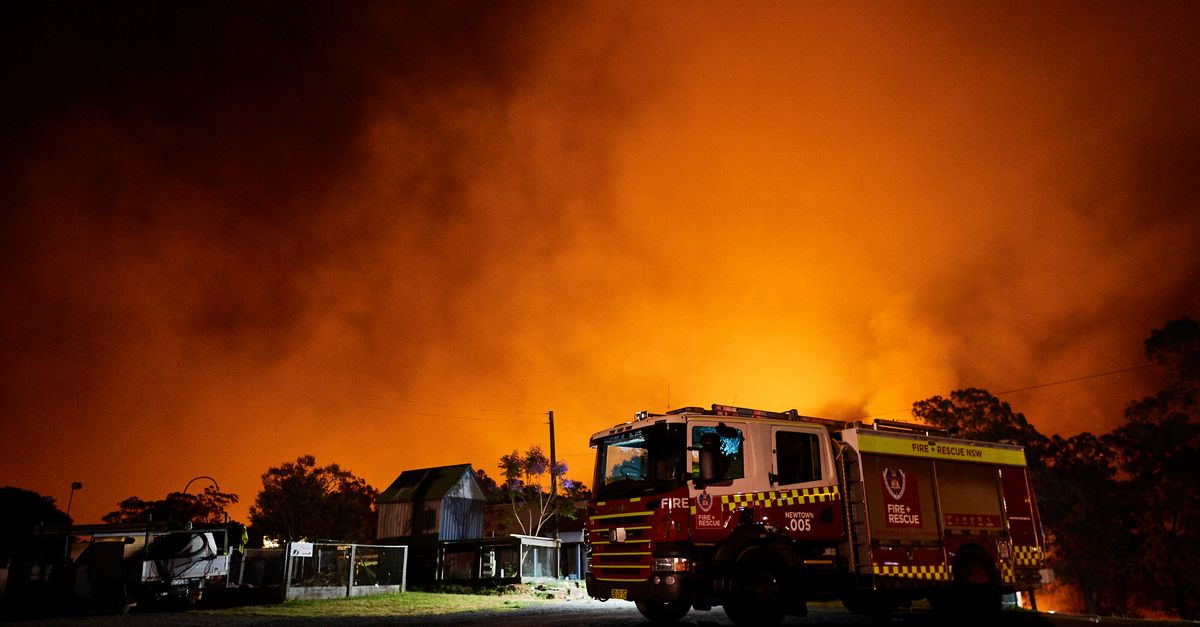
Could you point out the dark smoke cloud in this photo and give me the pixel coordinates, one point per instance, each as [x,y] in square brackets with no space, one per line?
[226,130]
[235,233]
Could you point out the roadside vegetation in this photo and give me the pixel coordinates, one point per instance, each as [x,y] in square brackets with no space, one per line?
[397,604]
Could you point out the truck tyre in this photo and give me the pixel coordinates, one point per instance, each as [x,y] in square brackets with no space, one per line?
[664,613]
[976,587]
[759,596]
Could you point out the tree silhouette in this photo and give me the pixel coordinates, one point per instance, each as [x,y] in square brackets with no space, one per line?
[976,414]
[24,510]
[301,501]
[1158,449]
[177,509]
[1176,347]
[486,483]
[1077,496]
[532,503]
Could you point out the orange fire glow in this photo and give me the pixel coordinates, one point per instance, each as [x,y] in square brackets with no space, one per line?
[394,237]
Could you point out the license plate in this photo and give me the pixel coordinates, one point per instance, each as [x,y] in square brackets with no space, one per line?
[620,593]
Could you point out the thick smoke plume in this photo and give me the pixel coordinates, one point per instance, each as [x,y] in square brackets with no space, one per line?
[392,235]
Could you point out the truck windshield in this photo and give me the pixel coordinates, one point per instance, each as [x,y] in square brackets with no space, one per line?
[641,461]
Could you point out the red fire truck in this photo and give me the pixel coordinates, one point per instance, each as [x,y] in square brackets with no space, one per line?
[760,512]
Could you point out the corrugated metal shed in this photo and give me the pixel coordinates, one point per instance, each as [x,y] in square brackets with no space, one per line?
[447,500]
[431,484]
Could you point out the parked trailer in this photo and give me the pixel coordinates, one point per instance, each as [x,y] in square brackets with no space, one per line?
[123,565]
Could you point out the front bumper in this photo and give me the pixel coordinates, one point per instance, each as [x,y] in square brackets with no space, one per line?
[663,587]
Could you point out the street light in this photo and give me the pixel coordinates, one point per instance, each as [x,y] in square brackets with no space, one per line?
[75,485]
[189,483]
[215,485]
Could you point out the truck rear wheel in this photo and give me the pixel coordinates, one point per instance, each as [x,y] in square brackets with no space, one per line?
[758,596]
[976,587]
[664,612]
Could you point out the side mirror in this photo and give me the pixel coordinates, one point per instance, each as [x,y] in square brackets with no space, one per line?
[709,465]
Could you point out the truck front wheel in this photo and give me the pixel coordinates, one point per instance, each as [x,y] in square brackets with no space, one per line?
[758,596]
[664,613]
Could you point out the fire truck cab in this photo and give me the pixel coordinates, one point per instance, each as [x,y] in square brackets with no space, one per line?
[761,511]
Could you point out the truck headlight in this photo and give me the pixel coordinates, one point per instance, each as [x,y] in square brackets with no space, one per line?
[671,564]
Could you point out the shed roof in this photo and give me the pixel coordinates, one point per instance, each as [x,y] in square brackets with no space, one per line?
[427,484]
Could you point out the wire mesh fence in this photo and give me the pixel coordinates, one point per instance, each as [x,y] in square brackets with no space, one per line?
[511,558]
[320,570]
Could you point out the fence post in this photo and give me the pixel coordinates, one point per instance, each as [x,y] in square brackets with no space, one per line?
[404,572]
[350,577]
[287,568]
[557,570]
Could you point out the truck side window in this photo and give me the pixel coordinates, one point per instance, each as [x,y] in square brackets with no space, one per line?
[797,456]
[732,459]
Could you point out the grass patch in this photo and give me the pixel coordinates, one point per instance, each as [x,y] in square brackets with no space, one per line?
[394,604]
[481,588]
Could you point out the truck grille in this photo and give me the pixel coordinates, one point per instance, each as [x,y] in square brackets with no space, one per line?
[627,560]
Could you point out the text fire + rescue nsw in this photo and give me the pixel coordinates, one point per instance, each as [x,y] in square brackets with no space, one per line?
[949,451]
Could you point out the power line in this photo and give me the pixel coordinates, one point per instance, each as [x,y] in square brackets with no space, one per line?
[1037,386]
[1083,378]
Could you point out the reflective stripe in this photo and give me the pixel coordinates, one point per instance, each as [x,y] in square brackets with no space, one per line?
[624,515]
[1027,556]
[777,498]
[938,572]
[1006,572]
[603,529]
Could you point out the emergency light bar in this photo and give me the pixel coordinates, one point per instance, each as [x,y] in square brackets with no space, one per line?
[730,410]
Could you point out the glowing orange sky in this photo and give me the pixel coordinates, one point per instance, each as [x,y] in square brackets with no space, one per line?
[391,237]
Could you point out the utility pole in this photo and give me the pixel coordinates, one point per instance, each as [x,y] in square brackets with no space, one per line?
[553,462]
[554,493]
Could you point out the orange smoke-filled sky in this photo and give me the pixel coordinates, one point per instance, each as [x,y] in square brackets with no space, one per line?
[393,235]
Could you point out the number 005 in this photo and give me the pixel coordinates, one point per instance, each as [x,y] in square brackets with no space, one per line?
[800,524]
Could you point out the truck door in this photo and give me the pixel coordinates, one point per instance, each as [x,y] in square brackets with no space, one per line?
[796,457]
[716,502]
[804,496]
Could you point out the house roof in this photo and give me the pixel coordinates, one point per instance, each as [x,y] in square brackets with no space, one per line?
[427,484]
